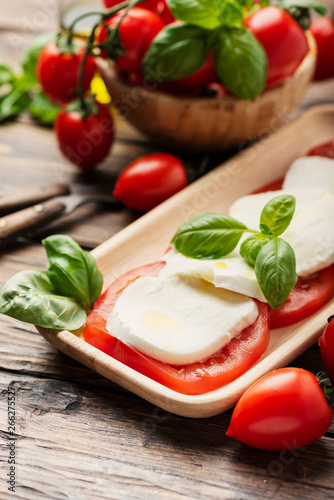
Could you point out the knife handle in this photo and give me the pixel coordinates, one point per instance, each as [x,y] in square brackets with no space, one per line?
[21,222]
[20,197]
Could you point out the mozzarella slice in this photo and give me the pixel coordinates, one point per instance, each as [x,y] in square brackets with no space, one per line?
[231,272]
[248,209]
[179,321]
[311,231]
[310,172]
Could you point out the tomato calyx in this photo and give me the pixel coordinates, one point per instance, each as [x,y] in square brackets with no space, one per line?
[330,318]
[90,107]
[301,11]
[326,386]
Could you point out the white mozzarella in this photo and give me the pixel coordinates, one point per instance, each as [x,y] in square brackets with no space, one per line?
[231,272]
[311,231]
[310,172]
[248,209]
[179,321]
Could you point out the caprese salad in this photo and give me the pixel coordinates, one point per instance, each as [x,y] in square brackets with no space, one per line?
[201,316]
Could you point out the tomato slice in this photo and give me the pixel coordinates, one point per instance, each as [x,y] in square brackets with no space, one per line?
[196,378]
[308,296]
[326,149]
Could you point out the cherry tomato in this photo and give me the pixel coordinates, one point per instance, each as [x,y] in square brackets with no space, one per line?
[158,6]
[197,378]
[137,31]
[58,72]
[85,142]
[322,29]
[283,40]
[206,74]
[150,180]
[284,409]
[326,343]
[308,296]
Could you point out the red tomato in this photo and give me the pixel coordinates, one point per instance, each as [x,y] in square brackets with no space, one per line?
[137,31]
[58,73]
[150,180]
[85,142]
[197,378]
[308,296]
[283,40]
[322,29]
[158,6]
[326,343]
[326,149]
[284,409]
[206,74]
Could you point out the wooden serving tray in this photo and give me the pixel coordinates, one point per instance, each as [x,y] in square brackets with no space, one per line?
[145,241]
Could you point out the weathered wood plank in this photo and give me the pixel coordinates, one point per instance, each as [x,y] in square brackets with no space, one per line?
[77,443]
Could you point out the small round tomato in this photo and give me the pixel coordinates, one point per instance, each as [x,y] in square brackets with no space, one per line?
[158,6]
[137,31]
[284,409]
[204,75]
[85,141]
[58,72]
[283,40]
[322,29]
[326,343]
[150,180]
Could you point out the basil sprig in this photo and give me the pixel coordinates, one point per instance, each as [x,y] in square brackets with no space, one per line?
[59,297]
[180,50]
[213,236]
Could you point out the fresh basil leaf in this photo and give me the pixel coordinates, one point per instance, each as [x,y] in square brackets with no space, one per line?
[208,236]
[6,74]
[318,7]
[176,52]
[29,61]
[277,215]
[204,13]
[241,62]
[42,109]
[250,248]
[30,296]
[71,270]
[15,101]
[275,270]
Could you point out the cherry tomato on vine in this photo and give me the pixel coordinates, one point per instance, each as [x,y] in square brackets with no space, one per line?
[150,180]
[85,141]
[283,40]
[137,31]
[158,6]
[284,409]
[322,29]
[326,343]
[58,72]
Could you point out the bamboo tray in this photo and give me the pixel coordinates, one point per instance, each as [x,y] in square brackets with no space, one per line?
[146,239]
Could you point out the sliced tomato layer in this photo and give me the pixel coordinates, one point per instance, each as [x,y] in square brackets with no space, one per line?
[308,296]
[196,378]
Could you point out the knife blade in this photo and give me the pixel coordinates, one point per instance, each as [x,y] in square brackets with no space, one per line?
[29,219]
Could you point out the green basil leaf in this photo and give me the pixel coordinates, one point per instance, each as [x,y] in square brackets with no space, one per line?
[250,248]
[275,270]
[241,62]
[206,13]
[30,296]
[318,7]
[277,215]
[71,270]
[176,52]
[30,57]
[208,236]
[15,101]
[6,74]
[42,109]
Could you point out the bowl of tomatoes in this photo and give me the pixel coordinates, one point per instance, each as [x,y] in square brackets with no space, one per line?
[198,83]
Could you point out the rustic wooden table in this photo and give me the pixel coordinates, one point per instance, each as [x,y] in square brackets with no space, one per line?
[79,436]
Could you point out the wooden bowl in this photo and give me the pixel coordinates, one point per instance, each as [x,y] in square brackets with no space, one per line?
[204,123]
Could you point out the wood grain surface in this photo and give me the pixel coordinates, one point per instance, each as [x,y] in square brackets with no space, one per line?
[80,436]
